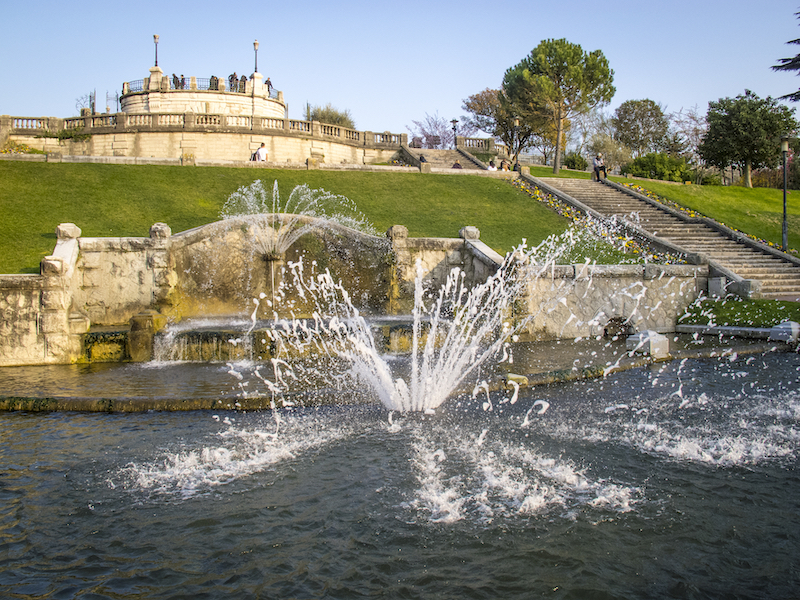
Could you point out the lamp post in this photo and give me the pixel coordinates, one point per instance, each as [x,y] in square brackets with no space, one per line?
[785,232]
[255,47]
[155,39]
[454,122]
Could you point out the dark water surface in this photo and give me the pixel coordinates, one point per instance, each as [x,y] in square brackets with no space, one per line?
[676,481]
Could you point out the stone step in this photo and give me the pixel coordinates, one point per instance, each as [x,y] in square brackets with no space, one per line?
[778,278]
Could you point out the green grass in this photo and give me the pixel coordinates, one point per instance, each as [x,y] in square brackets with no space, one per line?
[737,312]
[757,211]
[124,200]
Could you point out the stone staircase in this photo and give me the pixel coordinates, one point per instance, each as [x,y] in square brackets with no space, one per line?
[444,159]
[779,278]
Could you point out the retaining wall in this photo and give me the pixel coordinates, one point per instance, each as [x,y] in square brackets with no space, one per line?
[137,284]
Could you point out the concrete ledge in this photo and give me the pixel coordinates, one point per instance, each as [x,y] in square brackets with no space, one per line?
[754,333]
[24,157]
[484,252]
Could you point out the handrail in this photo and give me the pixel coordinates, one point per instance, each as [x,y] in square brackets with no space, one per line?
[195,84]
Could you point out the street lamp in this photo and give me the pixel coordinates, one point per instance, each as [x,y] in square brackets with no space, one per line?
[255,47]
[785,150]
[155,39]
[454,122]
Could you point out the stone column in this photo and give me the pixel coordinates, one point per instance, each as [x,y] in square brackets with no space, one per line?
[256,84]
[53,320]
[5,128]
[158,261]
[154,83]
[399,299]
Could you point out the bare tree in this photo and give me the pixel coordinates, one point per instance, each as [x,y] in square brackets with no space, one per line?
[691,126]
[437,132]
[85,101]
[583,128]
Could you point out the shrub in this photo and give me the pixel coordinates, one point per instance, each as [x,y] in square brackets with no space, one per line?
[657,165]
[575,161]
[330,115]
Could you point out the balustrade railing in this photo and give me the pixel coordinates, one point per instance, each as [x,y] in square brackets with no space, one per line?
[208,120]
[29,123]
[476,143]
[98,124]
[270,123]
[240,121]
[301,126]
[331,130]
[104,121]
[171,119]
[388,138]
[138,120]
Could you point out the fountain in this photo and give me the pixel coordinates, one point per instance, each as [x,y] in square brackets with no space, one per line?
[436,474]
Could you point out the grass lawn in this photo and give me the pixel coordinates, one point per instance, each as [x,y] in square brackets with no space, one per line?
[757,211]
[124,200]
[738,312]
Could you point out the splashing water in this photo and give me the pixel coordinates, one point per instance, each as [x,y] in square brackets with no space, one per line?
[455,332]
[282,223]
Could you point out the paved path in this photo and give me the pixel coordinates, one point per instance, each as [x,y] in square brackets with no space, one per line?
[780,279]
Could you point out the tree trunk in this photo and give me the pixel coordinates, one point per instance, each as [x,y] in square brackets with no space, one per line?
[559,130]
[747,169]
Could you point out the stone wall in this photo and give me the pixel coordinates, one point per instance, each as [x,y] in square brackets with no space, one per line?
[37,321]
[583,300]
[232,268]
[196,136]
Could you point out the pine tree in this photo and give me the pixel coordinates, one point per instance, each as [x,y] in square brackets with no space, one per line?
[790,64]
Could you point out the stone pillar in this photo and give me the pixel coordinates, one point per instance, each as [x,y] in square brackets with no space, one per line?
[193,83]
[5,128]
[399,300]
[68,231]
[469,233]
[316,129]
[154,83]
[53,319]
[158,261]
[144,327]
[256,84]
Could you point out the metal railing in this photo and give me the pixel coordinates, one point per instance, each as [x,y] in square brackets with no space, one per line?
[203,84]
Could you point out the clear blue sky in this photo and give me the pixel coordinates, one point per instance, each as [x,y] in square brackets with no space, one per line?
[390,62]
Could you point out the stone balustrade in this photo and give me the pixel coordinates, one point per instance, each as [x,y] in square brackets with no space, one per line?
[123,122]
